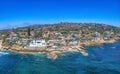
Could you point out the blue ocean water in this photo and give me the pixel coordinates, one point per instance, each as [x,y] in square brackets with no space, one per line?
[103,59]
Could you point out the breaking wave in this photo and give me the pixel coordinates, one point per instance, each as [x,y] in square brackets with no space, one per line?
[3,53]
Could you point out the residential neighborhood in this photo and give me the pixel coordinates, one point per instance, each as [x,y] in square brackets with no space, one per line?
[62,36]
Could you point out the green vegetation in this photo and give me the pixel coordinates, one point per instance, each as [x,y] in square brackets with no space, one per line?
[67,31]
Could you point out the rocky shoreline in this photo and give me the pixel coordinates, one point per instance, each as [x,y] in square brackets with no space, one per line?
[97,43]
[53,52]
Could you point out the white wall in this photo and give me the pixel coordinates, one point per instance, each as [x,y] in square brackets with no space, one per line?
[37,43]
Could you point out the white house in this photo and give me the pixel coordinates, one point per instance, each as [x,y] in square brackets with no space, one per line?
[0,44]
[73,42]
[37,43]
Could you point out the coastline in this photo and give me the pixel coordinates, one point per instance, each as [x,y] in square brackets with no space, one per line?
[53,52]
[97,54]
[98,43]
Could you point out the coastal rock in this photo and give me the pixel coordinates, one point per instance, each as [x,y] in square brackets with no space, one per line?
[52,55]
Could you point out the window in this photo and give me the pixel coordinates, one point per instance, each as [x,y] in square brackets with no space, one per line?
[38,42]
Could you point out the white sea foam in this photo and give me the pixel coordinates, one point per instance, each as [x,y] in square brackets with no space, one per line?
[113,47]
[3,53]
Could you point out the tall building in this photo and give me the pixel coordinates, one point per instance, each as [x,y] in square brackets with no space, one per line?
[29,32]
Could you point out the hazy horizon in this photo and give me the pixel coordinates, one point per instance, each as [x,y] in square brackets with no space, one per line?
[17,12]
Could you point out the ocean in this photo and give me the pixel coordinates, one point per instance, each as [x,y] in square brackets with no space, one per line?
[102,59]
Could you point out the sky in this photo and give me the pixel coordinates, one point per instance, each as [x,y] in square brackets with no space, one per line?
[24,12]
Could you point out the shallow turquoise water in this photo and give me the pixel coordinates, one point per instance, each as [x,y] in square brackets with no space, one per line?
[104,59]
